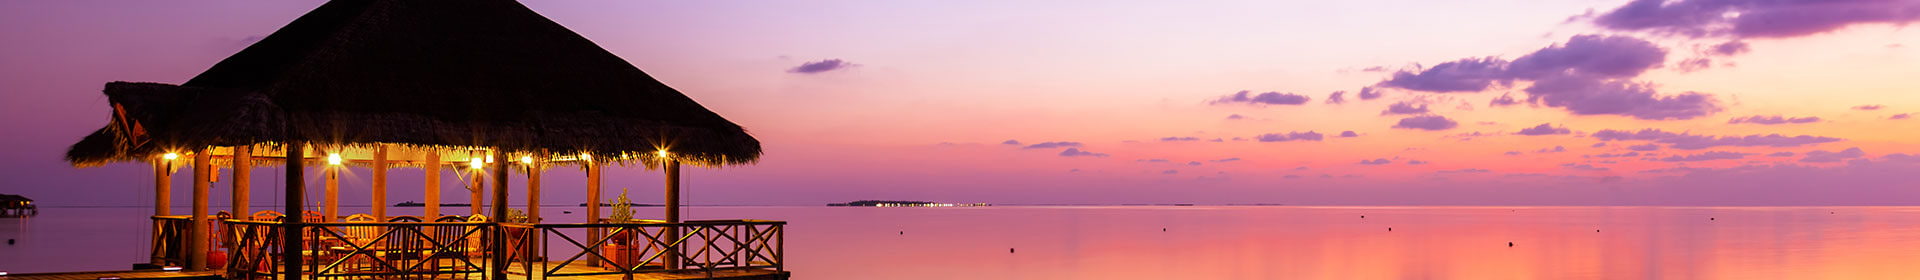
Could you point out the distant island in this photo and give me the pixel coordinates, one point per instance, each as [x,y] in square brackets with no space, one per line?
[604,204]
[904,203]
[417,204]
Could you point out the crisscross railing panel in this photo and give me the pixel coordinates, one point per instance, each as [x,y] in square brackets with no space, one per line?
[396,250]
[255,250]
[169,246]
[631,248]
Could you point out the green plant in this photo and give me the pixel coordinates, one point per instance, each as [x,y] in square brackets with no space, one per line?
[516,216]
[622,208]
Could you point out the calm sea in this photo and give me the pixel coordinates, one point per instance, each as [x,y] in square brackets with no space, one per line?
[1201,242]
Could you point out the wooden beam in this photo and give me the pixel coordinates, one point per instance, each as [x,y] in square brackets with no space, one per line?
[242,181]
[197,230]
[433,184]
[296,185]
[379,185]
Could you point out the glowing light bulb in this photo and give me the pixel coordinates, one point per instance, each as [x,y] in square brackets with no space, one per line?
[526,160]
[171,156]
[333,159]
[586,157]
[477,163]
[661,153]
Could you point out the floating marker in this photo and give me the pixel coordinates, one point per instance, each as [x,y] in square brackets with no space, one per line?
[1163,229]
[903,232]
[1389,229]
[1709,219]
[1363,216]
[1596,230]
[1509,243]
[1009,250]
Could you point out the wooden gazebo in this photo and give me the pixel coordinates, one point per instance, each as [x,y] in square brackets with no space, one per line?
[487,86]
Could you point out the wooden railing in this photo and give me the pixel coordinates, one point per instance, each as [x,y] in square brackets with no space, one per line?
[629,248]
[363,250]
[169,246]
[255,253]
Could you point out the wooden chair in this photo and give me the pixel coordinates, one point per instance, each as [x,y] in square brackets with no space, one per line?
[479,241]
[311,216]
[451,254]
[404,246]
[267,215]
[351,237]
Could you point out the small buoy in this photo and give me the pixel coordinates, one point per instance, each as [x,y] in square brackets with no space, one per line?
[1363,216]
[1163,229]
[1389,229]
[1596,230]
[566,212]
[1009,250]
[1509,243]
[1709,219]
[903,232]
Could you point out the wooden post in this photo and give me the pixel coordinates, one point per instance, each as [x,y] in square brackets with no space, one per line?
[380,184]
[673,213]
[533,190]
[162,187]
[291,225]
[433,183]
[242,181]
[500,214]
[593,205]
[330,204]
[475,189]
[197,228]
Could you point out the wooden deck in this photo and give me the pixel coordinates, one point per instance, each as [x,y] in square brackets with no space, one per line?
[130,274]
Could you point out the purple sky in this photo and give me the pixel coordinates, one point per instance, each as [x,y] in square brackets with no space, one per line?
[1689,102]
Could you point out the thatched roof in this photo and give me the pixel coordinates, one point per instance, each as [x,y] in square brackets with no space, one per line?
[10,197]
[433,73]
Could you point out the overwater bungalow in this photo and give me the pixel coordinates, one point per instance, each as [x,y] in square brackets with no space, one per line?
[487,88]
[15,205]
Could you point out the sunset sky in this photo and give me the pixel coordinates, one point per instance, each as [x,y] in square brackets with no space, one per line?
[1688,102]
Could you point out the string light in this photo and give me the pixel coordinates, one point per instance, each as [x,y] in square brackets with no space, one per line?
[526,159]
[661,153]
[586,157]
[171,156]
[476,163]
[333,159]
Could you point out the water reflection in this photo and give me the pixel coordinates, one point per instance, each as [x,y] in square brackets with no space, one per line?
[1221,242]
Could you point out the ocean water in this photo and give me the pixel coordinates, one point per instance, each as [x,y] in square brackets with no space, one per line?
[1228,242]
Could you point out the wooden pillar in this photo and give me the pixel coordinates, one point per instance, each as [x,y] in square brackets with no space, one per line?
[433,183]
[296,185]
[673,212]
[197,230]
[499,214]
[242,181]
[593,203]
[330,203]
[475,188]
[379,185]
[533,190]
[162,187]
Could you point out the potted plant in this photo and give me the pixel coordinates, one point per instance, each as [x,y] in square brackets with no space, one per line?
[620,247]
